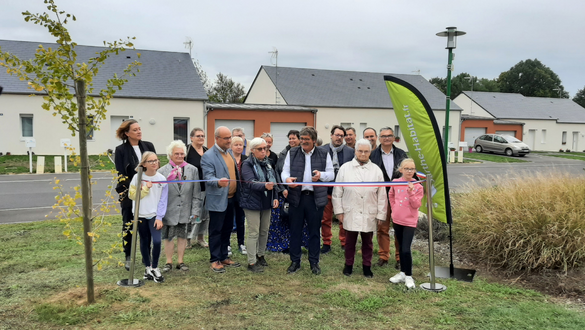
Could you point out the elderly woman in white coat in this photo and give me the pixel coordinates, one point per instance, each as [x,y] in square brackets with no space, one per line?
[184,203]
[360,208]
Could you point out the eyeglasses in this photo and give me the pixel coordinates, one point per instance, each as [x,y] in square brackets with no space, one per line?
[339,135]
[227,138]
[262,149]
[152,161]
[199,136]
[386,136]
[409,169]
[306,139]
[179,154]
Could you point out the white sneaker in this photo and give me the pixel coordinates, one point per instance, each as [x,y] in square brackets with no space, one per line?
[229,251]
[156,275]
[409,281]
[398,278]
[147,276]
[243,249]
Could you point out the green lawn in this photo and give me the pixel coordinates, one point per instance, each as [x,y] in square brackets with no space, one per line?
[493,158]
[42,287]
[568,155]
[20,164]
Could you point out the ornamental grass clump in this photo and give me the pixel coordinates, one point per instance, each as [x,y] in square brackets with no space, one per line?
[527,222]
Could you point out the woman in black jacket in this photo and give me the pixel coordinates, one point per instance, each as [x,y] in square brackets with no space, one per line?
[259,194]
[127,156]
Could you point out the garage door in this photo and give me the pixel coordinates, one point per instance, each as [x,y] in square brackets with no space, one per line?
[247,125]
[511,133]
[472,133]
[279,131]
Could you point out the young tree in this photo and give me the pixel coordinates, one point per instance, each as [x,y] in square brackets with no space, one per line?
[68,90]
[580,97]
[532,78]
[225,90]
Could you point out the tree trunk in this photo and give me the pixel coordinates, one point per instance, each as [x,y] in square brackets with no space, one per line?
[85,189]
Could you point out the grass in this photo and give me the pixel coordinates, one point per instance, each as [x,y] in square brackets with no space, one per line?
[525,222]
[493,158]
[17,164]
[568,155]
[43,287]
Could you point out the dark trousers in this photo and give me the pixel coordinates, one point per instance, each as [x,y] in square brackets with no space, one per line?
[220,228]
[367,247]
[307,210]
[127,217]
[147,234]
[240,221]
[404,235]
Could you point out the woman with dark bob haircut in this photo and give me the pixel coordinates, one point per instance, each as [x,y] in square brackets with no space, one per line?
[127,157]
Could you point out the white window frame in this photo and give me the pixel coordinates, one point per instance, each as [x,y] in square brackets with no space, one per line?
[186,119]
[543,136]
[564,138]
[26,115]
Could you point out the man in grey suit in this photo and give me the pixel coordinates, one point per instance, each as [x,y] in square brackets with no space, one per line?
[219,166]
[184,203]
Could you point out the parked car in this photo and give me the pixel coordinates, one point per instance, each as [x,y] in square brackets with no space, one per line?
[505,144]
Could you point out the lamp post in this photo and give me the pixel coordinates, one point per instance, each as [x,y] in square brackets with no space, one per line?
[451,35]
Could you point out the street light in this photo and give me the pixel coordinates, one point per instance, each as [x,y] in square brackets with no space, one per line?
[470,78]
[451,35]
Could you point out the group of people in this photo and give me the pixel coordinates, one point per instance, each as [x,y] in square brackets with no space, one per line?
[244,189]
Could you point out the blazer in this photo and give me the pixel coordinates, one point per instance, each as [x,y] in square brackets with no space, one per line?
[184,200]
[214,168]
[126,162]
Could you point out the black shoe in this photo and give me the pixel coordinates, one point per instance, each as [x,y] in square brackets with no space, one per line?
[255,268]
[294,266]
[397,265]
[368,271]
[128,262]
[261,261]
[325,249]
[347,270]
[315,269]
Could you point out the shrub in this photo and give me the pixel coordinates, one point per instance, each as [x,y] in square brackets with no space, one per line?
[440,229]
[524,222]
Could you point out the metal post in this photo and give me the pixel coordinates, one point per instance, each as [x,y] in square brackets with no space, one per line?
[435,287]
[131,281]
[65,159]
[448,105]
[30,160]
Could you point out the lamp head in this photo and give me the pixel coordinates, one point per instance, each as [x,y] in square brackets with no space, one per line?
[451,35]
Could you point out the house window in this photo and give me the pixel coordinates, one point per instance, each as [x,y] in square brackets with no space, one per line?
[90,123]
[26,124]
[180,128]
[543,136]
[565,137]
[397,130]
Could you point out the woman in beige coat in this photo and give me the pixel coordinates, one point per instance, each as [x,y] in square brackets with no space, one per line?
[360,208]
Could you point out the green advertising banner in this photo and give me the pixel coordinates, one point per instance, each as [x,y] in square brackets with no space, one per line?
[422,137]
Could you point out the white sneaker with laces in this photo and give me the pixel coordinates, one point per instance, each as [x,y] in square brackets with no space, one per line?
[409,281]
[147,276]
[243,249]
[398,278]
[156,275]
[229,251]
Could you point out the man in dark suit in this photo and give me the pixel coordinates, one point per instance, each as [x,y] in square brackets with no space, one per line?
[127,157]
[219,166]
[340,154]
[388,157]
[306,163]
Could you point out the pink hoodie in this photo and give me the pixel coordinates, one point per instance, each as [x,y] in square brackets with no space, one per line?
[405,204]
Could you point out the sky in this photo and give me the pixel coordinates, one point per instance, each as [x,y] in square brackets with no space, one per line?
[388,36]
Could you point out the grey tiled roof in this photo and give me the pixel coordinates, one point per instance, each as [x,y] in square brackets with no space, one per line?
[250,106]
[517,106]
[163,75]
[334,88]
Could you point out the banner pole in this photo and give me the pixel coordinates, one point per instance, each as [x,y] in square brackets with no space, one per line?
[432,286]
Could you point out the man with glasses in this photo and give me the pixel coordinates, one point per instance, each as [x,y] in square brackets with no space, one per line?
[219,166]
[340,154]
[388,157]
[306,163]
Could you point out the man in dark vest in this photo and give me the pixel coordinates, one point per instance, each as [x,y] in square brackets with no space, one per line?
[388,157]
[306,163]
[340,154]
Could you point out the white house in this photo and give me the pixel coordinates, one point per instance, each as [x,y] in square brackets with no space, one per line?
[166,97]
[549,124]
[347,98]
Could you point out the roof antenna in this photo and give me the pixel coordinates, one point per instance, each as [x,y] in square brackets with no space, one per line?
[189,45]
[275,57]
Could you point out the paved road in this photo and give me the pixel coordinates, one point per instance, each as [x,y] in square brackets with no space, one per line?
[29,197]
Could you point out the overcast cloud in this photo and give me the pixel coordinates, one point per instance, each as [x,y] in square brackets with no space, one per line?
[390,36]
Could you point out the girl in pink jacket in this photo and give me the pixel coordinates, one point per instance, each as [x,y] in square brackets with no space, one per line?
[405,200]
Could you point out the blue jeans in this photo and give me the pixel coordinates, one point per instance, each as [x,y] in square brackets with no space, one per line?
[147,233]
[306,211]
